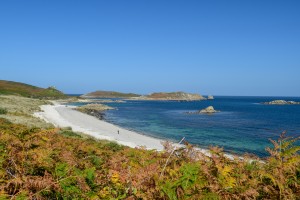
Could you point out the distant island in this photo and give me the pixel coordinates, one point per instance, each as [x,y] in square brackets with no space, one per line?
[109,94]
[281,102]
[166,96]
[174,96]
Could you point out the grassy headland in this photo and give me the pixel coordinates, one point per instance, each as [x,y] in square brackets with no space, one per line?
[15,88]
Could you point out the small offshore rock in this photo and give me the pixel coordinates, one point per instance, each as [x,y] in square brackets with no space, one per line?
[210,97]
[208,110]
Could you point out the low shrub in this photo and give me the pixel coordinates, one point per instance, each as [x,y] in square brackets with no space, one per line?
[3,111]
[52,164]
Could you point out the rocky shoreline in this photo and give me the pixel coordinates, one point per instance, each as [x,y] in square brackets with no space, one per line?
[96,110]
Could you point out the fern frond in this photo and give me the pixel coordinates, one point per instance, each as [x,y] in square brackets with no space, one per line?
[291,151]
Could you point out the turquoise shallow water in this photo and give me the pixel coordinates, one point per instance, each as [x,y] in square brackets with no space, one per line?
[243,125]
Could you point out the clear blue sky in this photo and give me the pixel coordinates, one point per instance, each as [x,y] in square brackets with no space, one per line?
[242,47]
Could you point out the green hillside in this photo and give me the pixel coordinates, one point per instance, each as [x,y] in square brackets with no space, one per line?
[15,88]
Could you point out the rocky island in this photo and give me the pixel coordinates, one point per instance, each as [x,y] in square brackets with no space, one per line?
[208,110]
[171,96]
[281,102]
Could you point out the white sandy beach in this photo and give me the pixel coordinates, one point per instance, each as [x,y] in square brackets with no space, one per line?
[65,116]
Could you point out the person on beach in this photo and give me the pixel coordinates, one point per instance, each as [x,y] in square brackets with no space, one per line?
[118,132]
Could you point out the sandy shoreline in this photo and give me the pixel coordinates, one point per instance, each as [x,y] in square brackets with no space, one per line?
[65,116]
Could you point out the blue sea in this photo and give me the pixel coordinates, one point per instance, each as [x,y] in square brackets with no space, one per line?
[243,125]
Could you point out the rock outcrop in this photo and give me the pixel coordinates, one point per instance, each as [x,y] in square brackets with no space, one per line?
[96,110]
[208,110]
[281,102]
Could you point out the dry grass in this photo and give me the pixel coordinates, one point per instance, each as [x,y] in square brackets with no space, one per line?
[20,110]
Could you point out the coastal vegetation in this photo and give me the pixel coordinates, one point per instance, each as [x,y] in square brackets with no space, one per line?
[25,90]
[60,164]
[18,109]
[3,111]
